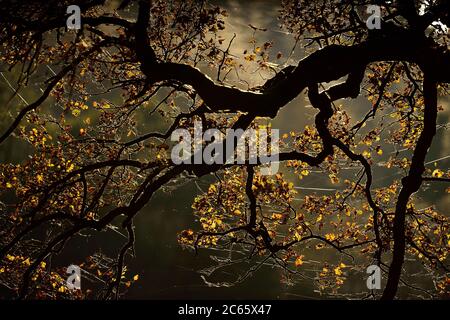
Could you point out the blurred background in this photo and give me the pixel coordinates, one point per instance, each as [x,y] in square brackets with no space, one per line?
[166,271]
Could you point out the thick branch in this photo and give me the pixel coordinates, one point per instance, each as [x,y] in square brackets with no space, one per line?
[411,184]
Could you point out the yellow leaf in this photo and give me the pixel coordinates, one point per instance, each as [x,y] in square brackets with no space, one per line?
[330,236]
[39,178]
[333,178]
[338,271]
[136,277]
[76,112]
[277,216]
[299,261]
[366,154]
[437,173]
[70,167]
[319,246]
[250,57]
[8,185]
[304,172]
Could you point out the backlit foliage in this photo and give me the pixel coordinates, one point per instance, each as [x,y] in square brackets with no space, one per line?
[97,141]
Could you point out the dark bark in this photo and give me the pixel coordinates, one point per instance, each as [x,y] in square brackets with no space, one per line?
[411,184]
